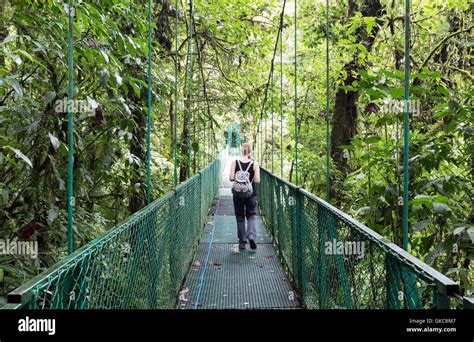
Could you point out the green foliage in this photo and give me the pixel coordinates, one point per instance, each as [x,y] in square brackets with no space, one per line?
[110,73]
[228,85]
[441,133]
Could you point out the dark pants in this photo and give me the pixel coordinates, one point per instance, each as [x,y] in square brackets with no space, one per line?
[245,207]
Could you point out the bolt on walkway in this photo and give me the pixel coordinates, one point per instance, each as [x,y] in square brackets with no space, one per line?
[222,277]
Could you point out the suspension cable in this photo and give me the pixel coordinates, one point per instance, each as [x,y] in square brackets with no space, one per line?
[198,123]
[148,136]
[328,169]
[190,89]
[296,95]
[264,141]
[175,119]
[273,109]
[70,131]
[281,98]
[259,131]
[406,125]
[197,120]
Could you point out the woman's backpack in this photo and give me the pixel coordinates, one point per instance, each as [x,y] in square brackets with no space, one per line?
[242,186]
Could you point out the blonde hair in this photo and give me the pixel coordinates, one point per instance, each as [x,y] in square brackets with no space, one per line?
[246,149]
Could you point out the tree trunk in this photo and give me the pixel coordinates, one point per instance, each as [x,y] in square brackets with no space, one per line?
[344,123]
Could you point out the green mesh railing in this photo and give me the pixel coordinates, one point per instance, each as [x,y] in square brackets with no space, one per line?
[139,264]
[305,229]
[142,262]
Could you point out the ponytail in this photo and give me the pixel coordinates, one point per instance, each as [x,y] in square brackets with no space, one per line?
[246,149]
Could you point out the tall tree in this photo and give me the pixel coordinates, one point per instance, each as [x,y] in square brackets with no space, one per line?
[344,121]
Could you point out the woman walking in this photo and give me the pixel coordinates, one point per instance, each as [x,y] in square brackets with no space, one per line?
[245,173]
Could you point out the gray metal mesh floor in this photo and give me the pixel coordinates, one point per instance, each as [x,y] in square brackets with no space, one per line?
[222,277]
[226,230]
[233,280]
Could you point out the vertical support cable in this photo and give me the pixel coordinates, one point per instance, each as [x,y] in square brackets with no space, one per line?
[152,251]
[70,131]
[273,109]
[259,132]
[328,169]
[148,136]
[296,95]
[198,110]
[190,89]
[406,125]
[256,142]
[198,128]
[204,142]
[281,96]
[262,140]
[265,153]
[175,123]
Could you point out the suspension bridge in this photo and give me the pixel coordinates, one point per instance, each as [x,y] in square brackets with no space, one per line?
[180,251]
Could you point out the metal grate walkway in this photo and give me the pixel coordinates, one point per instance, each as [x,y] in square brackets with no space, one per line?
[222,277]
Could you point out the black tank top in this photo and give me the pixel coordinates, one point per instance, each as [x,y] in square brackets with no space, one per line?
[251,171]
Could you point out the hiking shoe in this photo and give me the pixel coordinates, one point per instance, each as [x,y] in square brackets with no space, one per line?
[253,244]
[242,245]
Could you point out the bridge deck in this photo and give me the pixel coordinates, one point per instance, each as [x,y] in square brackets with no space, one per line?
[222,277]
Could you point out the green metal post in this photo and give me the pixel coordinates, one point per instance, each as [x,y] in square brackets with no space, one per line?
[278,207]
[70,131]
[272,135]
[296,95]
[322,257]
[298,239]
[281,99]
[175,119]
[265,153]
[148,138]
[172,250]
[393,282]
[190,89]
[198,128]
[260,150]
[328,169]
[406,125]
[272,206]
[410,289]
[152,250]
[341,270]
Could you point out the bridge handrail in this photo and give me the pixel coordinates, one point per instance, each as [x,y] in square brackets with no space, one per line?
[29,294]
[445,287]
